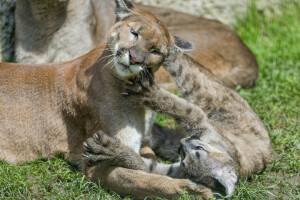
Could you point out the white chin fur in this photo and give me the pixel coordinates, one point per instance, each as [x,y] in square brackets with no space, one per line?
[135,69]
[123,73]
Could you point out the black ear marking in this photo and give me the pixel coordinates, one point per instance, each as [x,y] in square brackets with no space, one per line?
[123,8]
[182,45]
[195,137]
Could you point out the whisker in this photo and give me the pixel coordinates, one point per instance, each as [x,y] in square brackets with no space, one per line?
[137,78]
[142,76]
[115,63]
[104,57]
[107,64]
[107,48]
[149,74]
[110,50]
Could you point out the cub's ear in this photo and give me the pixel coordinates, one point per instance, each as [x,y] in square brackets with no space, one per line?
[226,177]
[123,8]
[182,45]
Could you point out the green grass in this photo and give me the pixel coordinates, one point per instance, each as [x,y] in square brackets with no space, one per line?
[276,98]
[275,40]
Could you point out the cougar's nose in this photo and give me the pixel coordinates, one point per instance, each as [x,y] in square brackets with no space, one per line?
[134,60]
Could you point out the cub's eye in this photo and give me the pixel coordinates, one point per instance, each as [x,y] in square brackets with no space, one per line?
[133,32]
[198,148]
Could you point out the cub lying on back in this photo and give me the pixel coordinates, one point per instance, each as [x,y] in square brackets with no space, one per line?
[226,139]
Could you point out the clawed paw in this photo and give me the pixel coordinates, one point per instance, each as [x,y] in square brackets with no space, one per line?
[100,148]
[139,90]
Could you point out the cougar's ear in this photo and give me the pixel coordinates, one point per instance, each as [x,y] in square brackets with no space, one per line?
[123,8]
[182,45]
[226,177]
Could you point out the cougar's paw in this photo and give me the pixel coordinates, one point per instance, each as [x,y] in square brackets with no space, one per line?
[100,148]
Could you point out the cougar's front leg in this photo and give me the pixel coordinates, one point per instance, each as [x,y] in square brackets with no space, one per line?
[102,148]
[141,184]
[111,152]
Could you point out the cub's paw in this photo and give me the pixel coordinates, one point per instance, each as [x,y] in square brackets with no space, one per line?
[141,90]
[101,148]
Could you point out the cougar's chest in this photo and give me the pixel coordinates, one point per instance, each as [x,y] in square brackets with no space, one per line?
[120,118]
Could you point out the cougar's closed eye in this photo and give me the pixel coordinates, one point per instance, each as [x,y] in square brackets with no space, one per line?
[133,32]
[156,52]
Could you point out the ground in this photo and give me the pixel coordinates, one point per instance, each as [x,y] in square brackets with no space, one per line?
[275,98]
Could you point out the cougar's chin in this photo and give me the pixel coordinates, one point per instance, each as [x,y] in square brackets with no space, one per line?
[136,69]
[124,72]
[123,69]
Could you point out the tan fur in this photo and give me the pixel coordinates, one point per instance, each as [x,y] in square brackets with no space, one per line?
[50,108]
[230,138]
[103,148]
[52,31]
[226,111]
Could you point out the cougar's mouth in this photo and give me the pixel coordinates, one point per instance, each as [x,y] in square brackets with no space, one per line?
[134,69]
[124,68]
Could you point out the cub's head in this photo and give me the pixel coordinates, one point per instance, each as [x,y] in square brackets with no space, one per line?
[140,41]
[205,164]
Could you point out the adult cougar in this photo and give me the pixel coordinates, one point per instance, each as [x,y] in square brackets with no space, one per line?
[51,108]
[226,139]
[55,31]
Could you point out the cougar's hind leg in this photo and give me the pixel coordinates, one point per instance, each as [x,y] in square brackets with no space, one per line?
[244,77]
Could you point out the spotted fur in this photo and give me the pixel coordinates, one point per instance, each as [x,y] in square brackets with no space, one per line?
[227,140]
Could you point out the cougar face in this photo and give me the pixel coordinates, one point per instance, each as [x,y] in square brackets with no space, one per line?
[138,41]
[204,163]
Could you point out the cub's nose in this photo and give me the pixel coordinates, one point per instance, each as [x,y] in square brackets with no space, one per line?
[134,60]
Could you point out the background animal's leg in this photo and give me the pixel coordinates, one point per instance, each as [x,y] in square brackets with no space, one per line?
[243,76]
[140,184]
